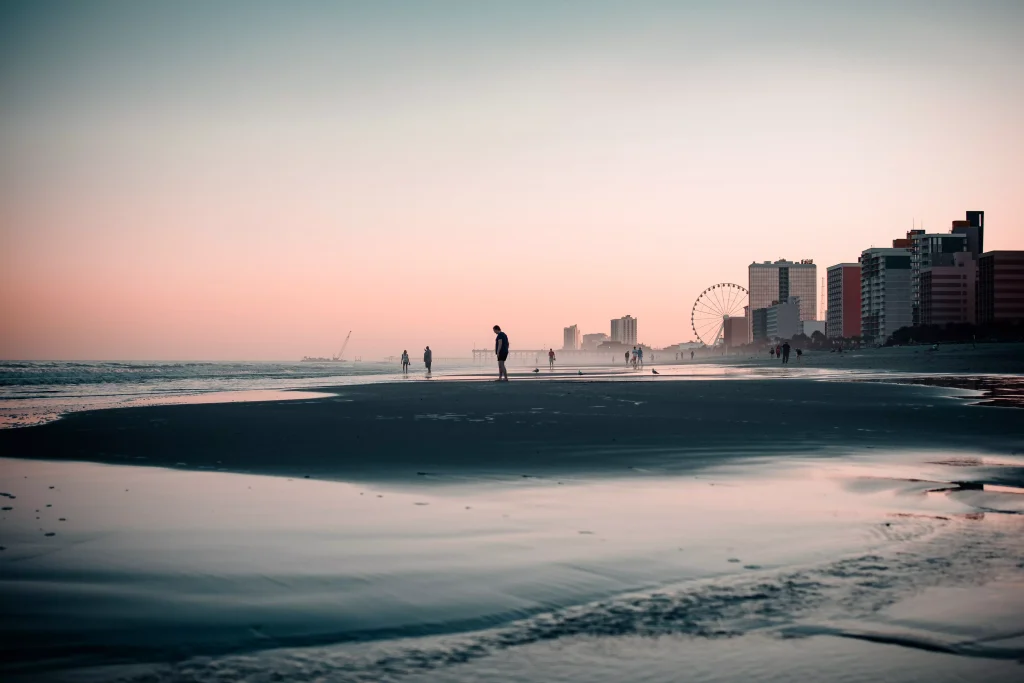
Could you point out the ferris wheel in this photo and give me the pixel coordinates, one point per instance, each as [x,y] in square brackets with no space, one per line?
[713,307]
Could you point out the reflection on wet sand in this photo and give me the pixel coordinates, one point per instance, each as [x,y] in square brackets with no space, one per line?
[996,390]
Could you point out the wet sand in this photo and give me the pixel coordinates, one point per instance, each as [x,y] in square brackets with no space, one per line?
[565,529]
[419,430]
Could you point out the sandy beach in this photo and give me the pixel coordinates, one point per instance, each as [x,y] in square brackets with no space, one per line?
[737,521]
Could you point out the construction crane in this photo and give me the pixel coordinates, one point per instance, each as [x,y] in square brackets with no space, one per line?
[344,346]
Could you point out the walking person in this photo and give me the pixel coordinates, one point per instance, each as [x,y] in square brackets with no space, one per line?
[691,354]
[428,356]
[785,353]
[551,359]
[405,361]
[640,357]
[627,357]
[501,351]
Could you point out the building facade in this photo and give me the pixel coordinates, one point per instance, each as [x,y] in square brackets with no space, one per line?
[782,320]
[843,314]
[624,330]
[735,331]
[592,341]
[927,250]
[948,292]
[885,292]
[974,229]
[571,338]
[759,325]
[771,282]
[1001,286]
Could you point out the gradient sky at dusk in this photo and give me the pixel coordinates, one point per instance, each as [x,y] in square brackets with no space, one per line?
[250,180]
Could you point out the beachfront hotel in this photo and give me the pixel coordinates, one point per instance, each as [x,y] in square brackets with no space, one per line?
[571,338]
[928,250]
[769,283]
[624,330]
[843,314]
[947,292]
[885,292]
[1001,286]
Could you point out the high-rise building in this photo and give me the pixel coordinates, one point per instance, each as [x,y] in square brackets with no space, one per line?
[948,292]
[759,324]
[974,230]
[624,330]
[571,338]
[927,250]
[782,320]
[770,282]
[1000,286]
[843,319]
[885,292]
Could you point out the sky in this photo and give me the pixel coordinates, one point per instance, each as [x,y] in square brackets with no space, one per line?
[252,180]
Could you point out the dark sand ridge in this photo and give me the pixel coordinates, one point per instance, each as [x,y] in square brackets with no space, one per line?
[418,431]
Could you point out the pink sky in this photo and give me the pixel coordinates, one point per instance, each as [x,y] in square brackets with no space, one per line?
[260,204]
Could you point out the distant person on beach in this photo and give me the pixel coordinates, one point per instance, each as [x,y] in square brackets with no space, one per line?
[501,351]
[691,354]
[771,351]
[428,357]
[551,359]
[785,352]
[799,353]
[405,361]
[627,357]
[778,351]
[640,357]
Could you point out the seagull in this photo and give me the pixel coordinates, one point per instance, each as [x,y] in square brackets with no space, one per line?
[655,372]
[536,369]
[579,372]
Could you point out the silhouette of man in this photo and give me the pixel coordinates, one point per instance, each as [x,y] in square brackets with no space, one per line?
[551,359]
[428,356]
[501,351]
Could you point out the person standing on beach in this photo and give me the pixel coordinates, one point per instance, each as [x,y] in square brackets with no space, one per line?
[405,361]
[785,353]
[428,356]
[627,357]
[691,354]
[640,357]
[501,351]
[551,359]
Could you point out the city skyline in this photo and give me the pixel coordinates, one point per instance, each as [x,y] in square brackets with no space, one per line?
[251,181]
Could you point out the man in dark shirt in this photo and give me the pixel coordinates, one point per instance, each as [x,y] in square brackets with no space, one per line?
[501,351]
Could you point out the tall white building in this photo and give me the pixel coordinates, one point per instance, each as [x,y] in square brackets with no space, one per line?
[770,282]
[886,292]
[571,338]
[624,330]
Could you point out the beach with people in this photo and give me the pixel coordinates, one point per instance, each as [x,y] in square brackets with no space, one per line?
[446,530]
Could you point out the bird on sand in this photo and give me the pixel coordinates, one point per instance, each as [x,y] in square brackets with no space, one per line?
[579,372]
[536,369]
[655,372]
